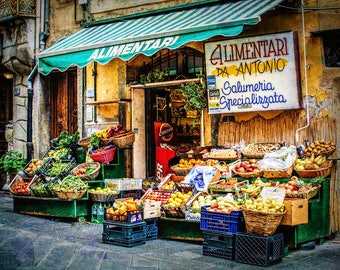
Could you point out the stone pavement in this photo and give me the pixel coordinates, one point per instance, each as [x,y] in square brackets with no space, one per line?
[30,242]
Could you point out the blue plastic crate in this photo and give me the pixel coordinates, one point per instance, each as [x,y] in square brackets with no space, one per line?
[219,245]
[221,222]
[151,229]
[118,231]
[151,221]
[258,249]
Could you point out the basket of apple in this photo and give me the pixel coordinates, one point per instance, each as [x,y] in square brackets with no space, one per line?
[247,169]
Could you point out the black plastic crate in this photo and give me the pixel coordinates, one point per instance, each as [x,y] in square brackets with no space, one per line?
[151,229]
[258,249]
[219,245]
[123,242]
[119,231]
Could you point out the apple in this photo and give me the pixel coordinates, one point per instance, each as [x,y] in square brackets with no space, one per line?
[252,160]
[244,163]
[253,165]
[250,169]
[241,170]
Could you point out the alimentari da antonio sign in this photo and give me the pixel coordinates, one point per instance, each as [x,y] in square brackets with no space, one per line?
[253,74]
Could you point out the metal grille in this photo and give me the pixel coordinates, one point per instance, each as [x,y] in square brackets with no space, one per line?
[19,7]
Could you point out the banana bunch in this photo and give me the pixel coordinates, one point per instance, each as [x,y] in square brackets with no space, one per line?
[252,190]
[224,205]
[319,160]
[260,183]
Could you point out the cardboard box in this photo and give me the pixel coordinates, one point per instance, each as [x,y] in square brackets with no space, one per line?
[152,209]
[296,212]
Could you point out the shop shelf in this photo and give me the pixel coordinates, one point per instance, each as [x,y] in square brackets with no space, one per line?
[258,249]
[219,245]
[221,222]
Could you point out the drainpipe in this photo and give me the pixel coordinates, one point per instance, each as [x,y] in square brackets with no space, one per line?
[29,143]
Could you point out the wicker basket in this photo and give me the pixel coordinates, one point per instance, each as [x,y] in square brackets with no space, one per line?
[278,173]
[104,157]
[125,140]
[254,174]
[304,195]
[103,197]
[70,195]
[262,223]
[258,150]
[180,171]
[84,142]
[89,176]
[315,173]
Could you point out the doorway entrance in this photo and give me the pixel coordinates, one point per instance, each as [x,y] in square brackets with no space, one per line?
[63,100]
[6,107]
[157,109]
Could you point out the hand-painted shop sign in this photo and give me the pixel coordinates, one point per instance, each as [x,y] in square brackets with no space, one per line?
[133,48]
[253,74]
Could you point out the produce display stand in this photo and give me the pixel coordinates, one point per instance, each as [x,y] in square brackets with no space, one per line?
[179,229]
[318,226]
[52,207]
[77,209]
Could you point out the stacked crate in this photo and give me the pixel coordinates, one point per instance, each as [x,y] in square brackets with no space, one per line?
[259,249]
[219,232]
[124,234]
[225,237]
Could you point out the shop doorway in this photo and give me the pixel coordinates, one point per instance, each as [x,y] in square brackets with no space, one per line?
[157,109]
[63,100]
[6,107]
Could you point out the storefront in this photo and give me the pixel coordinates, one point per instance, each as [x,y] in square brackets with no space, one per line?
[113,55]
[133,72]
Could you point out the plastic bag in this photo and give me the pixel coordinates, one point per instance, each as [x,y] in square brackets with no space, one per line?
[200,177]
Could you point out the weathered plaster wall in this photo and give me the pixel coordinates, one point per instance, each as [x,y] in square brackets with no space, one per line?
[18,57]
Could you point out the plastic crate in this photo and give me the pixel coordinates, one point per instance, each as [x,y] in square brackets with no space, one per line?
[151,229]
[219,245]
[119,231]
[136,194]
[129,217]
[124,184]
[123,242]
[258,249]
[221,222]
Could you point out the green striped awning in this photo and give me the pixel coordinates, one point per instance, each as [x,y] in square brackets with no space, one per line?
[146,35]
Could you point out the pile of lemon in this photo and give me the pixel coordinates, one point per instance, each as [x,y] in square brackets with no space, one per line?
[106,190]
[178,199]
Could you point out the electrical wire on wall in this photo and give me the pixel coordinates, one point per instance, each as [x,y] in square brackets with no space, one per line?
[305,74]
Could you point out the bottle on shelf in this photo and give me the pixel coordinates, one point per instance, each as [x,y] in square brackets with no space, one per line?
[94,213]
[100,213]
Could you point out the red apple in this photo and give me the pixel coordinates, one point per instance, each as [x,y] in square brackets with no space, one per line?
[241,170]
[254,166]
[244,163]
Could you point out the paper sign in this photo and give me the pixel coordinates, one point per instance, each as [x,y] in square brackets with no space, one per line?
[273,193]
